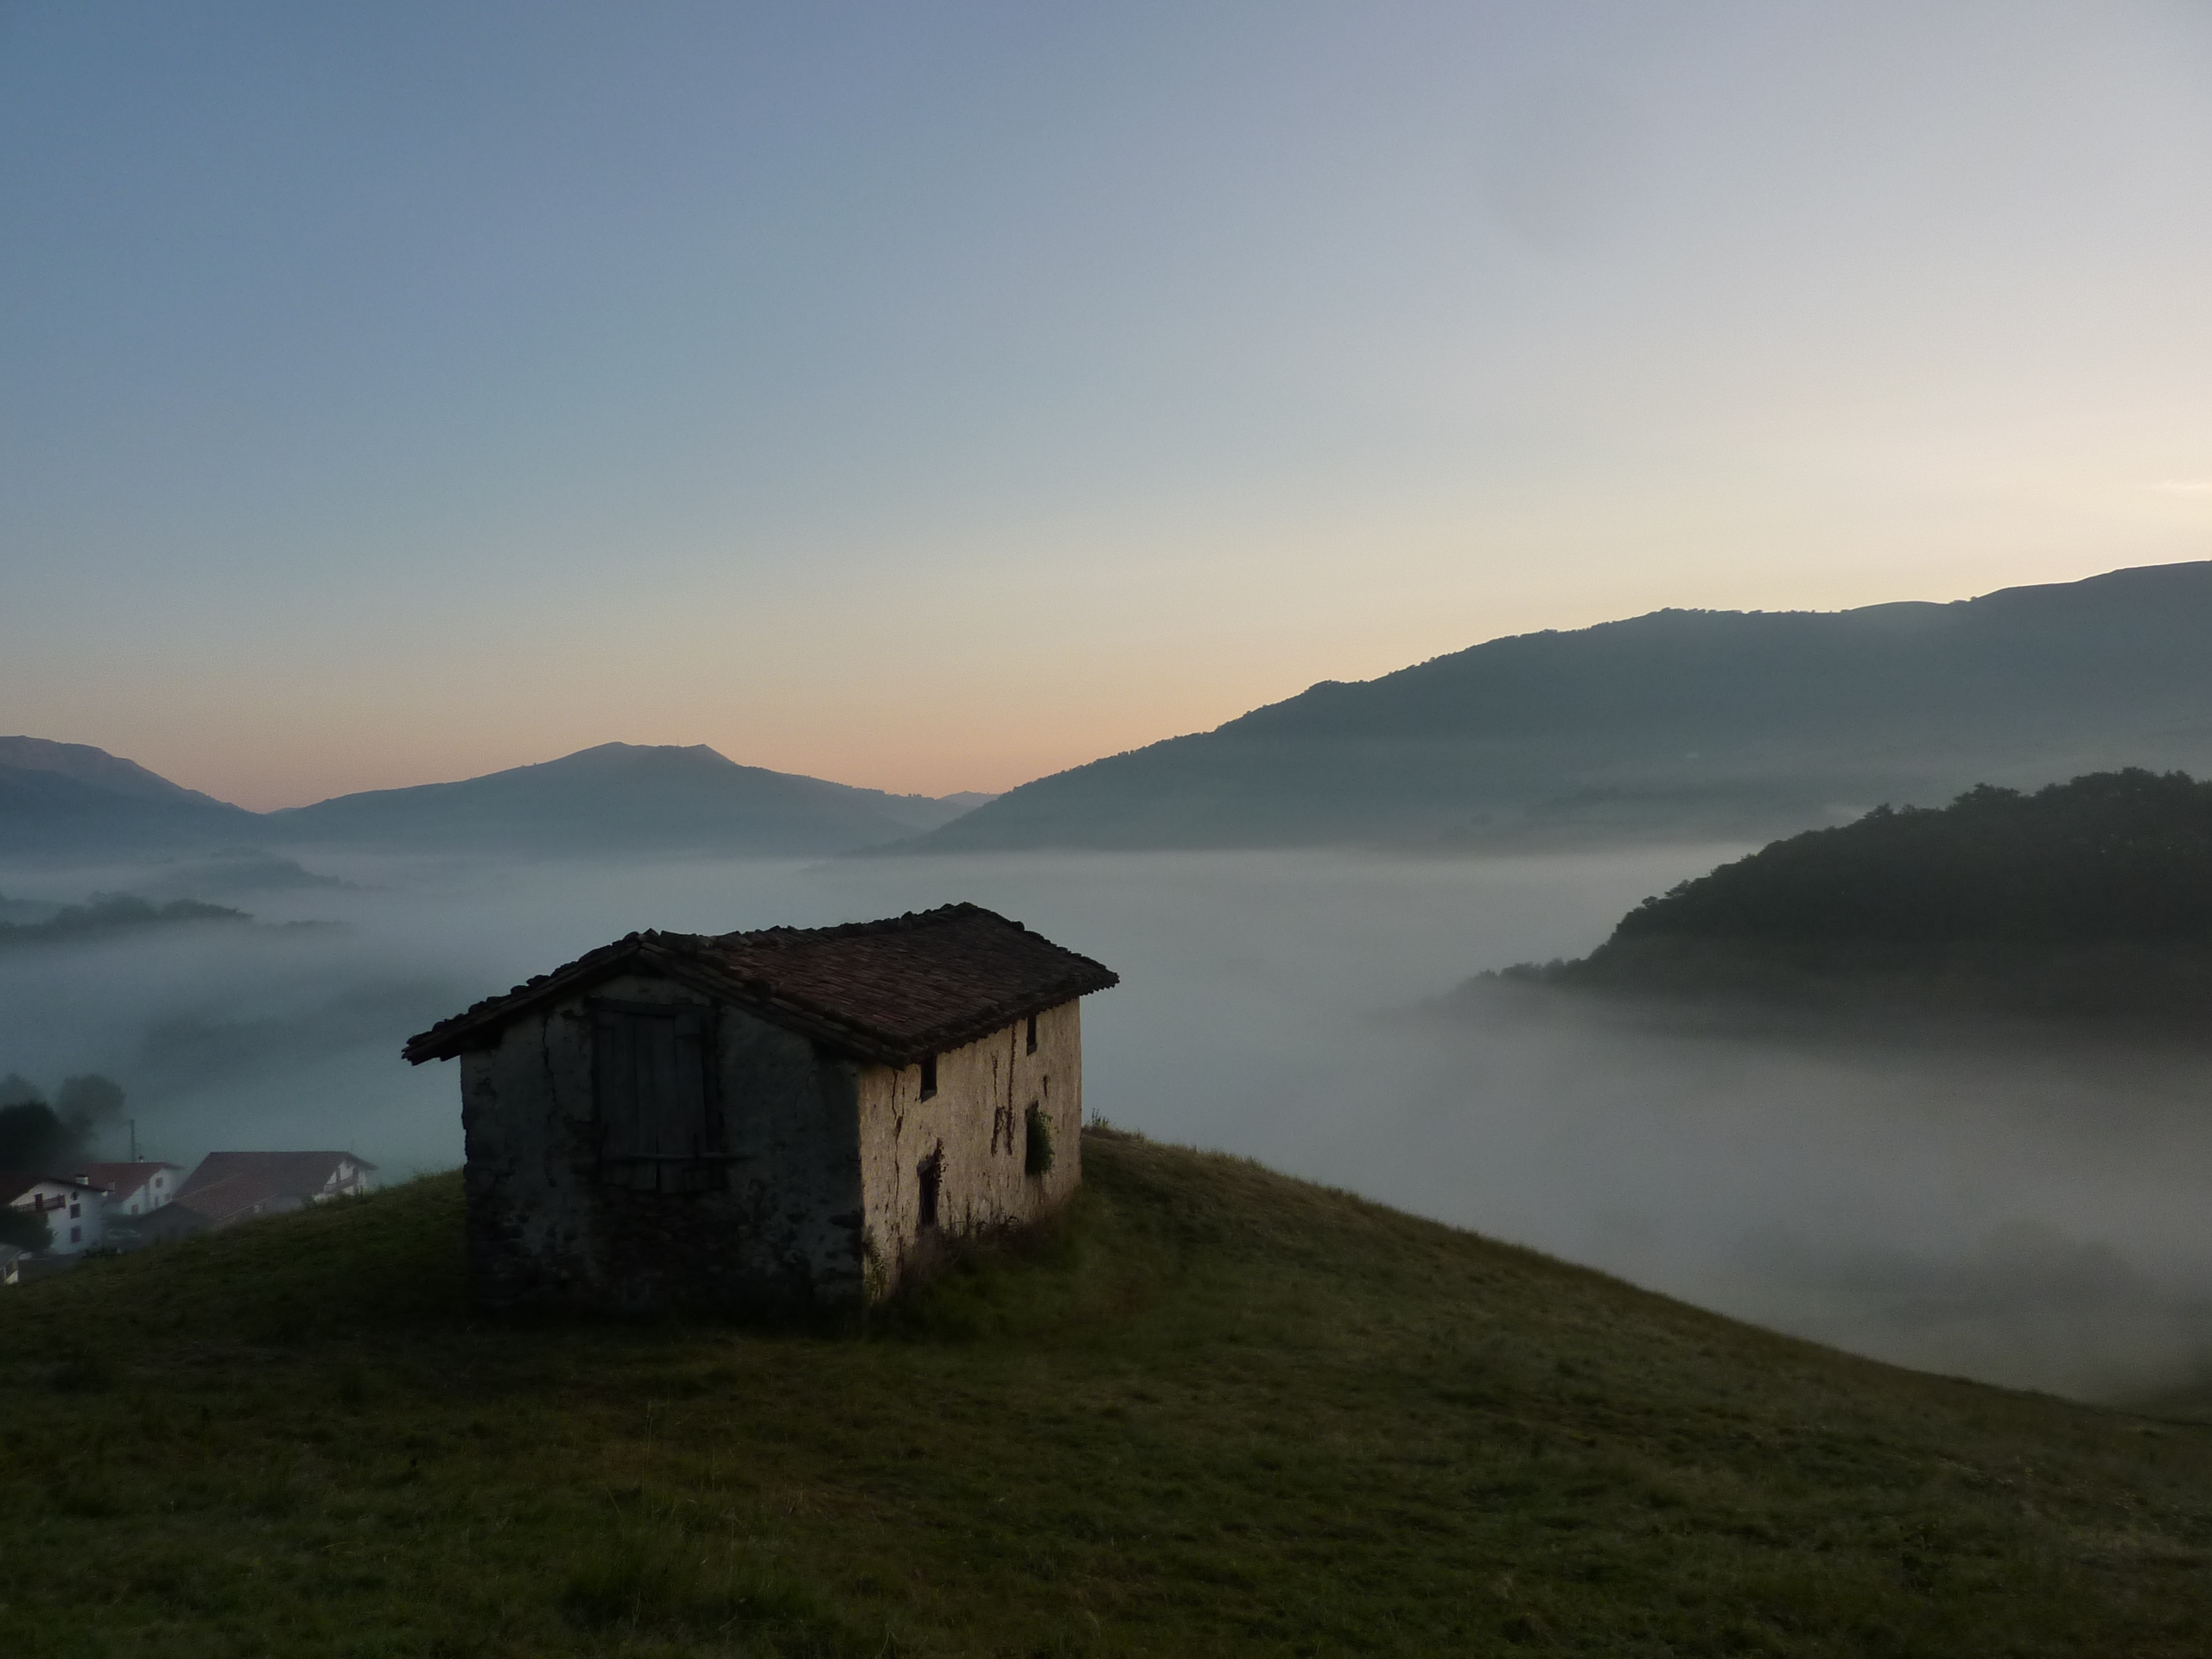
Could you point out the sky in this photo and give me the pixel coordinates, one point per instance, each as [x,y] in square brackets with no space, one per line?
[931,398]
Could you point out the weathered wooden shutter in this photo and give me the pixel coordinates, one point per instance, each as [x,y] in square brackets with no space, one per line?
[651,1086]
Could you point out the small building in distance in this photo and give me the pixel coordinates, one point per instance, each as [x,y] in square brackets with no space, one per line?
[21,1266]
[770,1119]
[131,1189]
[73,1209]
[229,1187]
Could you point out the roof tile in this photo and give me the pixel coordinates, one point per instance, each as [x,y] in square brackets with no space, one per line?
[227,1183]
[891,991]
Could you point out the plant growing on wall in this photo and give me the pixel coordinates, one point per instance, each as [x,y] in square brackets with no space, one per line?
[1037,1156]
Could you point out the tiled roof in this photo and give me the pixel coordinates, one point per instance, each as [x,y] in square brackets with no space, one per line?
[227,1199]
[229,1184]
[14,1183]
[120,1177]
[893,991]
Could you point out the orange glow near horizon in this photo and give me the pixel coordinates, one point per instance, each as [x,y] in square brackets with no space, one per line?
[931,399]
[965,732]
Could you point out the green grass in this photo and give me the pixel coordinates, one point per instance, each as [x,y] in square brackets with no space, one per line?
[1213,1410]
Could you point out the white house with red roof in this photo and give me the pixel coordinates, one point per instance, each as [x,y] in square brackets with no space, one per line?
[75,1210]
[131,1189]
[229,1187]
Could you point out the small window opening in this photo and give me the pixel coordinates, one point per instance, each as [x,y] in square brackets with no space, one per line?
[1033,1033]
[932,1173]
[929,1076]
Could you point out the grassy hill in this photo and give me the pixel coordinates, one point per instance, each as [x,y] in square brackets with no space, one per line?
[1213,1411]
[1722,725]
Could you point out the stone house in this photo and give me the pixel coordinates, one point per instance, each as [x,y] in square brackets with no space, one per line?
[772,1120]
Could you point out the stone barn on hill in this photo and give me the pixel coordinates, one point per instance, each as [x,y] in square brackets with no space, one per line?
[780,1119]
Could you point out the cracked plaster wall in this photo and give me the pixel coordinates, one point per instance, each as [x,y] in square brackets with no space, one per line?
[782,1229]
[976,1124]
[821,1202]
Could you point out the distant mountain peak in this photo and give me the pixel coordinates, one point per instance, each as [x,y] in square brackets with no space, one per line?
[625,798]
[87,765]
[1676,725]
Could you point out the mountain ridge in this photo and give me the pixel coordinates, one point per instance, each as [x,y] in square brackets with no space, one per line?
[43,811]
[96,767]
[1677,724]
[72,799]
[656,797]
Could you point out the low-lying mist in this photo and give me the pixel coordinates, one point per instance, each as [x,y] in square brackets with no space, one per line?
[2023,1212]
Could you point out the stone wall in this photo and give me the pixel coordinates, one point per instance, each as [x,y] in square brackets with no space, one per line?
[976,1127]
[781,1229]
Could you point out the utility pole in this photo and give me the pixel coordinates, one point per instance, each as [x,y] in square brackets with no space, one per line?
[134,1140]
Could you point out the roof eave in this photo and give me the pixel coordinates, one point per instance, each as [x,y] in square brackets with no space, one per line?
[942,1038]
[465,1031]
[478,1028]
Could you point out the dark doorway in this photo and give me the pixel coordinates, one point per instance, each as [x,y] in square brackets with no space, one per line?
[931,1172]
[653,1096]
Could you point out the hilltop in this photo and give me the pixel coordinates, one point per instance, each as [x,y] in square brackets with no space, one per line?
[74,797]
[110,914]
[622,798]
[1212,1410]
[2089,898]
[96,768]
[1680,725]
[69,800]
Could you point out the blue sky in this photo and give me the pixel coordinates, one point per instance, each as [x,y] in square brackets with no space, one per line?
[934,397]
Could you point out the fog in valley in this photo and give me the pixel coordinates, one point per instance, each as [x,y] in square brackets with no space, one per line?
[2012,1211]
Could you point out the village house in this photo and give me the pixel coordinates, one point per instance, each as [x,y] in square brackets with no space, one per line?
[131,1189]
[229,1187]
[73,1209]
[779,1119]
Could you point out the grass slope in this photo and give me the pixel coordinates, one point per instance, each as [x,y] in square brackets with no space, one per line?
[1215,1410]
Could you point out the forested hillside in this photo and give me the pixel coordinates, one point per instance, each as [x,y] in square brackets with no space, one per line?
[2092,897]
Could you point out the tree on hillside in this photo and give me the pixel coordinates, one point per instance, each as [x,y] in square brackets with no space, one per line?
[23,1230]
[2115,856]
[31,1137]
[107,913]
[88,1103]
[36,1136]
